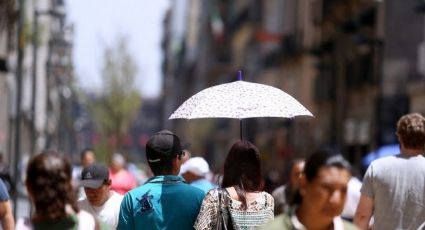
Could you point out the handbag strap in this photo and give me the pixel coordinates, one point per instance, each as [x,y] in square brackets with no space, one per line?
[220,220]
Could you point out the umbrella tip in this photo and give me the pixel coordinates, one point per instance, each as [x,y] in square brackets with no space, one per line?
[239,75]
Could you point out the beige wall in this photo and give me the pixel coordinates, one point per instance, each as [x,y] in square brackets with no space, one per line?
[417,97]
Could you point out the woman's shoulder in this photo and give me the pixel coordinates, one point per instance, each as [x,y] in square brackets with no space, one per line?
[213,192]
[212,195]
[268,196]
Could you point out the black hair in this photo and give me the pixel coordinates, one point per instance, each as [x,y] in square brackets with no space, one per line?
[85,151]
[242,169]
[164,166]
[325,157]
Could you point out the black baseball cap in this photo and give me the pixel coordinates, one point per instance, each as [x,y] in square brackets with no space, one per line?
[94,175]
[163,145]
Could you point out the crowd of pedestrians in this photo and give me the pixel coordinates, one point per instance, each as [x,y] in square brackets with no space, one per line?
[321,192]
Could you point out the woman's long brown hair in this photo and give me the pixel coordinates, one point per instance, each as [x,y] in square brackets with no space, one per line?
[242,169]
[49,183]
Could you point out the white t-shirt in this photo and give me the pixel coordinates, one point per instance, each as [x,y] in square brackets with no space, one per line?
[352,199]
[108,212]
[396,185]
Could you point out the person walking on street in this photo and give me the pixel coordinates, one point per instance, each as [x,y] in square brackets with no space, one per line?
[165,201]
[284,195]
[100,201]
[321,195]
[87,157]
[393,190]
[241,197]
[194,171]
[122,180]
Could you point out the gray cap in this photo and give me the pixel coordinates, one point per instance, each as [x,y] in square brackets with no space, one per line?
[94,175]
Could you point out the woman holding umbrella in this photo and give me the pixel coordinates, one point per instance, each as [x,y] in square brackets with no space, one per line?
[241,202]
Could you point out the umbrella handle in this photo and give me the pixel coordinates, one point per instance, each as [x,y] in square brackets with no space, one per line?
[240,75]
[240,125]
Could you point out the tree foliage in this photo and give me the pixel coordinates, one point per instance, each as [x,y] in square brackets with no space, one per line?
[119,100]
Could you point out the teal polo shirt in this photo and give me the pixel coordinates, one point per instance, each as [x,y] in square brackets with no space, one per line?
[163,202]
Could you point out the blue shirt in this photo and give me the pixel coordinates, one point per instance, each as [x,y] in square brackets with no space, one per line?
[4,195]
[163,202]
[203,184]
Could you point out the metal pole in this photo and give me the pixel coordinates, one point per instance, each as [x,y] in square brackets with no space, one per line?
[240,125]
[34,79]
[18,102]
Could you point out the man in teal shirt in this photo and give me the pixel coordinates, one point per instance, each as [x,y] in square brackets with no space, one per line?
[165,201]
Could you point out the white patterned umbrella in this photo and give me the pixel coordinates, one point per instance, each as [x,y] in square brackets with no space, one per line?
[239,100]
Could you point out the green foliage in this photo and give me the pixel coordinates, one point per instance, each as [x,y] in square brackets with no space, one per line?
[119,101]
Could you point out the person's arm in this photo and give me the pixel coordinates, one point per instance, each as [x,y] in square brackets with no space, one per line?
[7,221]
[6,216]
[364,212]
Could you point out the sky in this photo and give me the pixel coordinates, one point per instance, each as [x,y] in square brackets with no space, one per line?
[97,24]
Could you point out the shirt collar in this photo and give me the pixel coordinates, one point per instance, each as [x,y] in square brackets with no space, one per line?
[165,179]
[337,223]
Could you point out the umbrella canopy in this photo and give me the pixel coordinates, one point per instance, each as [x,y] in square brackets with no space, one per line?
[239,100]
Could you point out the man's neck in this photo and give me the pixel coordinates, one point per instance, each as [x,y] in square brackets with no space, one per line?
[305,216]
[110,193]
[411,152]
[166,174]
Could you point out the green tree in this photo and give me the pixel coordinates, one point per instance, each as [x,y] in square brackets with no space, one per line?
[119,100]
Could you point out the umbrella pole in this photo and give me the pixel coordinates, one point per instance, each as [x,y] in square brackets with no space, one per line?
[240,120]
[240,125]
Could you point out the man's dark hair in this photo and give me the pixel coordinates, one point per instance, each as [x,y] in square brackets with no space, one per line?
[325,157]
[163,167]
